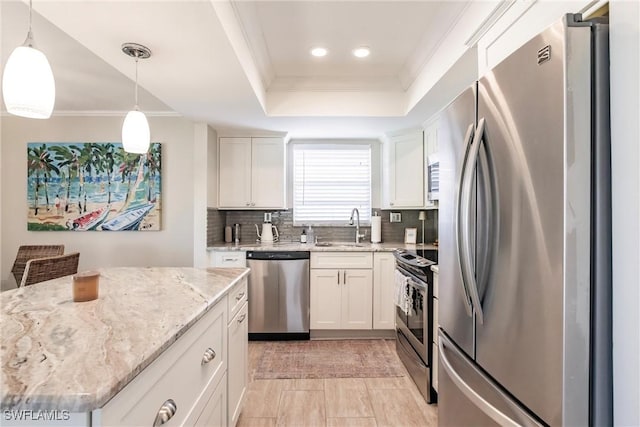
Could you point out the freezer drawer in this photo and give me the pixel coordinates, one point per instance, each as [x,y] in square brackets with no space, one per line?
[471,397]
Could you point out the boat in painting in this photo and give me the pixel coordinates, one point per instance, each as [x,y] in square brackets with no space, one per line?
[129,219]
[89,221]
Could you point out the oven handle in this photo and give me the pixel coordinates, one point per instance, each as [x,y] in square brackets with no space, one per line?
[410,351]
[460,224]
[412,280]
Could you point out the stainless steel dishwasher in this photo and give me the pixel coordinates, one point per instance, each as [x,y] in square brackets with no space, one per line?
[278,295]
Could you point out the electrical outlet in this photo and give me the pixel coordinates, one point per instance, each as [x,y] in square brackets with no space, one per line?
[395,217]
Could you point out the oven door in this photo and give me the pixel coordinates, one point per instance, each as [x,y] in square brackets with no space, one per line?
[412,319]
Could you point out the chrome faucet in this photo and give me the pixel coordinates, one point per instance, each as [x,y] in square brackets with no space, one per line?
[358,235]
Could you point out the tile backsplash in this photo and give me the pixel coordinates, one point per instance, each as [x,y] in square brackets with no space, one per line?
[391,232]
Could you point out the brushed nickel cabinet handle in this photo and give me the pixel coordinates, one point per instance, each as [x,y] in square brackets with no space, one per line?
[208,356]
[241,318]
[239,296]
[338,277]
[344,277]
[165,413]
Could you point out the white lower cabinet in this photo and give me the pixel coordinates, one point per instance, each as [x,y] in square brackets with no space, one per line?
[231,259]
[176,382]
[341,297]
[215,411]
[384,266]
[200,380]
[238,363]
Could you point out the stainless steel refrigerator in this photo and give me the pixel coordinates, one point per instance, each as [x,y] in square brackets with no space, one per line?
[524,229]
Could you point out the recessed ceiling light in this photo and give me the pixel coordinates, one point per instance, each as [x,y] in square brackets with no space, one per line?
[318,51]
[361,52]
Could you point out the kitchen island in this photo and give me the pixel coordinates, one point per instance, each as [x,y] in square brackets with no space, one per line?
[68,359]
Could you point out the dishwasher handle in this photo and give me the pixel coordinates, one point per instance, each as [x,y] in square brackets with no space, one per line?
[277,255]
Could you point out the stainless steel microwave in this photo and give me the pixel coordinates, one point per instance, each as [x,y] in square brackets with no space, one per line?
[433,177]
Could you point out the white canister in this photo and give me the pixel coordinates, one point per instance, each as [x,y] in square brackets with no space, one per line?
[376,228]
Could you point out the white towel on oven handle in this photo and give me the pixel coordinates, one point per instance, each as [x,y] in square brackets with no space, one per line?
[403,297]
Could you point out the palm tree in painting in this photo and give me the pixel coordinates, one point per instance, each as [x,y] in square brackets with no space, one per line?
[40,160]
[153,167]
[127,165]
[105,163]
[88,159]
[67,157]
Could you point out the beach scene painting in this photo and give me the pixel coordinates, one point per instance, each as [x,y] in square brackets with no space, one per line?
[92,187]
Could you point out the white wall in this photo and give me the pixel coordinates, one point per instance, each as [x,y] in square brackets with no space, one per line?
[204,168]
[172,246]
[625,163]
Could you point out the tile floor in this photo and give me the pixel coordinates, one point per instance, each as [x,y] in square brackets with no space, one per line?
[334,402]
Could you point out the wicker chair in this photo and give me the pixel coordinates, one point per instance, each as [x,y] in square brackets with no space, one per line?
[41,269]
[28,252]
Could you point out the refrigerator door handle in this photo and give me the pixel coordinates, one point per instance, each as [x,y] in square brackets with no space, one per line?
[459,229]
[474,151]
[445,346]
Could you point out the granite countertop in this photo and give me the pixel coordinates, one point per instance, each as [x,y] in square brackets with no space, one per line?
[334,246]
[57,354]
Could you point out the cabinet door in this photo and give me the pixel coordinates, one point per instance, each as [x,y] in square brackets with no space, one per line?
[384,266]
[237,363]
[405,161]
[325,296]
[234,165]
[214,413]
[268,173]
[356,299]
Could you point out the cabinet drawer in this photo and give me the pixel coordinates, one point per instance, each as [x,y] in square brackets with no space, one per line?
[179,374]
[229,259]
[341,260]
[237,297]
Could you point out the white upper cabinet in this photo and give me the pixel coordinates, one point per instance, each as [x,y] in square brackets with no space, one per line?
[403,171]
[519,21]
[251,173]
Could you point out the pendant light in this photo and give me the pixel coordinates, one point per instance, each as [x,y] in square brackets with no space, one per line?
[28,87]
[135,129]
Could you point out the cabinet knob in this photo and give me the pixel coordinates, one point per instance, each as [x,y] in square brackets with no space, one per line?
[247,204]
[208,356]
[391,204]
[165,413]
[239,296]
[253,204]
[241,318]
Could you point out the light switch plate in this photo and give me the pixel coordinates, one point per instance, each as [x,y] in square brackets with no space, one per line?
[395,217]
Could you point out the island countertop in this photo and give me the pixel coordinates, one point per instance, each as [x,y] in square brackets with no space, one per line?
[62,355]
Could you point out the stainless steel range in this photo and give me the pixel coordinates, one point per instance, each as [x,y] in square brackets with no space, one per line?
[414,318]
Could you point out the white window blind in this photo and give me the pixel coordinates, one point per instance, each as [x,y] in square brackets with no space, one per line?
[329,181]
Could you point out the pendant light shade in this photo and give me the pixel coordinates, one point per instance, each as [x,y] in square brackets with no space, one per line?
[136,136]
[28,87]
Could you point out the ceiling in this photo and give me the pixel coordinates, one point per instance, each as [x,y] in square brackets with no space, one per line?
[245,65]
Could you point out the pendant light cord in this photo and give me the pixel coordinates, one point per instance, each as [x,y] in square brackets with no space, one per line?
[29,40]
[136,92]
